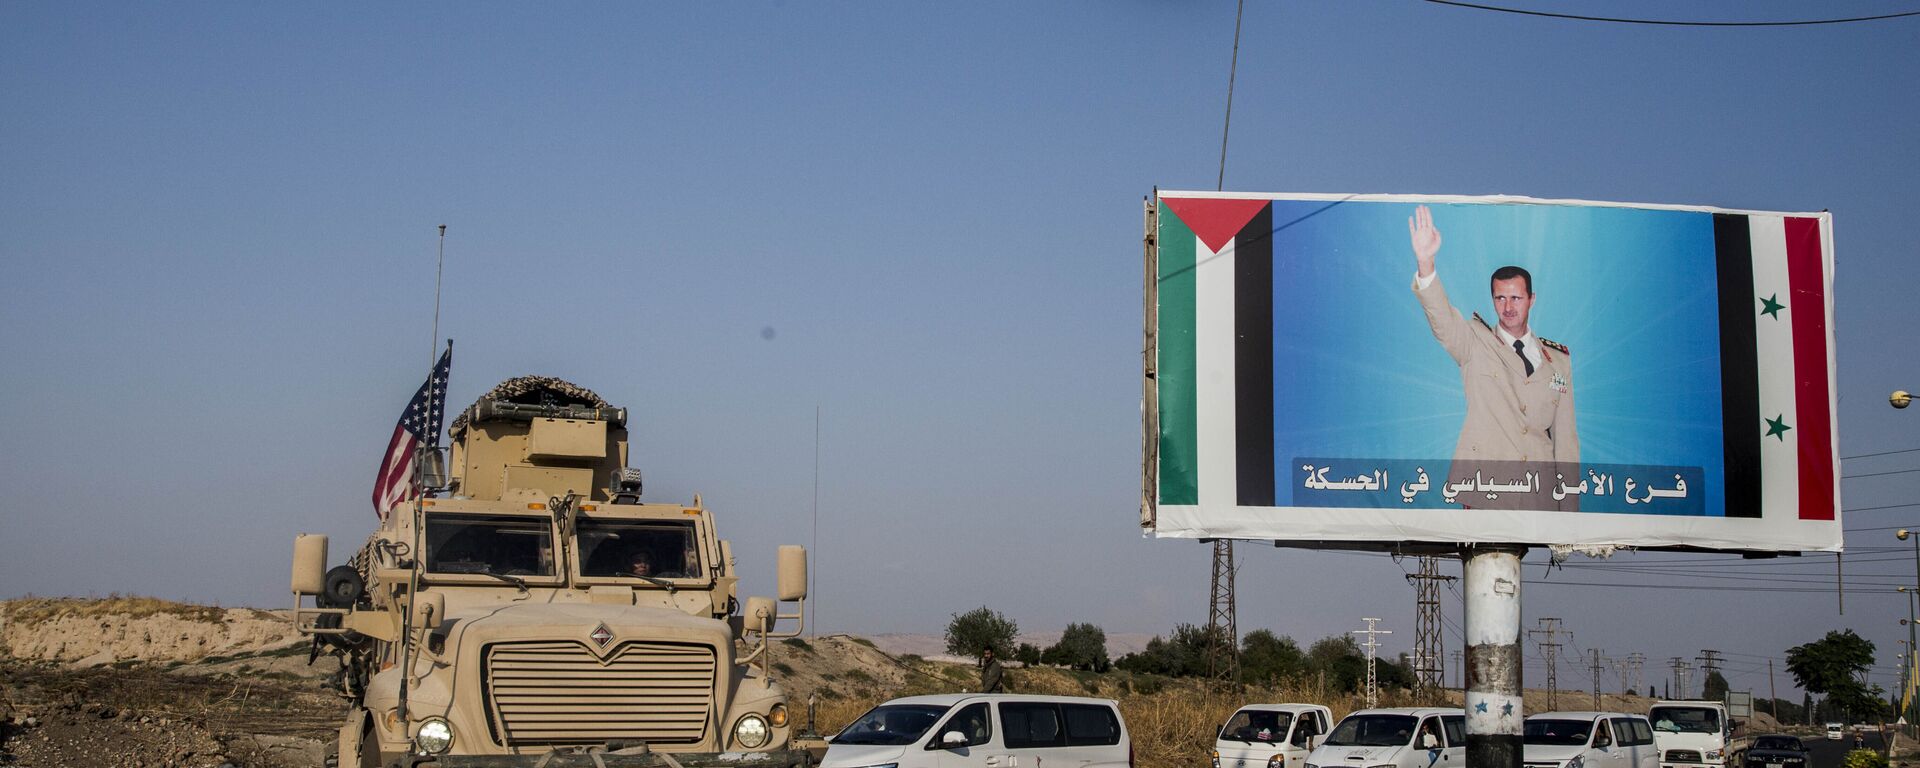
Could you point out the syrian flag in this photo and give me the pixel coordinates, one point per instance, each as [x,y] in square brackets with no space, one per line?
[1776,366]
[419,426]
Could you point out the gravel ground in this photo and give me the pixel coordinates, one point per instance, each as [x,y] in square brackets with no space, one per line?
[148,717]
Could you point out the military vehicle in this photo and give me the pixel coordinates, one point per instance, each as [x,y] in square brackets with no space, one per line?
[529,609]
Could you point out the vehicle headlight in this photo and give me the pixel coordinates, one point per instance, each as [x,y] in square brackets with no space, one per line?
[1383,765]
[778,715]
[1715,754]
[1277,761]
[434,737]
[1575,762]
[1216,758]
[751,732]
[1311,765]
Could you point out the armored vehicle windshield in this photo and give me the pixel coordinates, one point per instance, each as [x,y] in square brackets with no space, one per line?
[490,544]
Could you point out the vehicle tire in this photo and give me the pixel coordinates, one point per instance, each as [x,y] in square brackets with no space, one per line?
[343,587]
[369,756]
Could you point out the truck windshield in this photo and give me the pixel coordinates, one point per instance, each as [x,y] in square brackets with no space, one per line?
[1372,731]
[891,724]
[655,549]
[490,544]
[1557,733]
[1265,726]
[1685,719]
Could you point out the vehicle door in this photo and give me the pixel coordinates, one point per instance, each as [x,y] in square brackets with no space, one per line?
[1649,752]
[1626,742]
[1309,729]
[1093,736]
[978,747]
[1033,733]
[1455,754]
[1605,751]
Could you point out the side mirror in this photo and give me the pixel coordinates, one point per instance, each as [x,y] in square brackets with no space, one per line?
[793,572]
[759,614]
[309,564]
[953,739]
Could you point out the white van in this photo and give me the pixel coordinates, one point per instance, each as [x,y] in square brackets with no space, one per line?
[1271,736]
[1403,737]
[1589,740]
[985,730]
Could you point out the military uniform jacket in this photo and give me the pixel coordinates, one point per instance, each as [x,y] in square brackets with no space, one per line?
[1511,416]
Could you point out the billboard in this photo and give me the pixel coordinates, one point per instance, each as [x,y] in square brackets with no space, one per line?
[1392,369]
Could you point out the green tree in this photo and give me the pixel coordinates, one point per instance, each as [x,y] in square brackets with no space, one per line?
[1832,666]
[1338,658]
[1716,687]
[1027,653]
[979,629]
[1081,646]
[1265,658]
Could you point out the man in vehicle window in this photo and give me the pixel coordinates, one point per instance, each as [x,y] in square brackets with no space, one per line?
[1519,387]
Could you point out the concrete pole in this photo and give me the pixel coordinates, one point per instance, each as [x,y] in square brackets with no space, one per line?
[1495,712]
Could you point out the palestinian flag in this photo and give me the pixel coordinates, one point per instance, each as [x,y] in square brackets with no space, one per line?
[1776,366]
[1218,248]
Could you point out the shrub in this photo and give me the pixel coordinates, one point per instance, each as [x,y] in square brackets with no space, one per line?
[1863,758]
[979,629]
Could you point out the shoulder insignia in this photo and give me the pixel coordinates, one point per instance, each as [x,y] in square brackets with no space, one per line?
[1482,322]
[1551,344]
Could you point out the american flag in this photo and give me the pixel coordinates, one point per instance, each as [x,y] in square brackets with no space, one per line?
[419,425]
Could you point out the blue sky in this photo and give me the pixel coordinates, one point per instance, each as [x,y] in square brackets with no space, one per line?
[217,260]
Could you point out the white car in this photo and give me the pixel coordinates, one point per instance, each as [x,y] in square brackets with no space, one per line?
[1836,731]
[1402,737]
[1691,734]
[984,730]
[1589,740]
[1271,736]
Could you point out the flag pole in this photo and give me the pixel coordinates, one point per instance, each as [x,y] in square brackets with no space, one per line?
[419,468]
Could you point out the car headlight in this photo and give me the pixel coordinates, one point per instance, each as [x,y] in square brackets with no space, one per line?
[751,732]
[778,715]
[1383,765]
[434,737]
[1714,754]
[1311,765]
[1216,758]
[1277,761]
[1575,762]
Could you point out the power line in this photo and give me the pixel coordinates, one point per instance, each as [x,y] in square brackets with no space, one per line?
[1882,453]
[1668,23]
[1878,474]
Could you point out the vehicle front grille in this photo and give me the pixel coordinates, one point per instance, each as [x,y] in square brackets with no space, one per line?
[561,693]
[1683,755]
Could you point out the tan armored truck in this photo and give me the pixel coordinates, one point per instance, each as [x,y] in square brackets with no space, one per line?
[532,610]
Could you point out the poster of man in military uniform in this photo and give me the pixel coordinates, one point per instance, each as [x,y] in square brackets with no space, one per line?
[1518,386]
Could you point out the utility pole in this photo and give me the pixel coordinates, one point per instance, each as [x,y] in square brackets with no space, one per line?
[1773,700]
[1679,677]
[1636,660]
[1550,627]
[1373,688]
[1429,673]
[1223,628]
[1710,663]
[1625,668]
[1596,667]
[1494,696]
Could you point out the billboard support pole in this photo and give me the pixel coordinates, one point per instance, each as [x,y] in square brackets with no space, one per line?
[1495,710]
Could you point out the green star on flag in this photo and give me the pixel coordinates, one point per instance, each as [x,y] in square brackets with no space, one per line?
[1777,427]
[1771,307]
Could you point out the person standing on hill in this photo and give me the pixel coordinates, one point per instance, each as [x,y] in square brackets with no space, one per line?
[992,676]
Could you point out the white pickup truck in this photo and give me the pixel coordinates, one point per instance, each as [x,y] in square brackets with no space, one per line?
[1691,734]
[1271,736]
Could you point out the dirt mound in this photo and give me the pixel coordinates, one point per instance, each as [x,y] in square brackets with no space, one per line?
[94,632]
